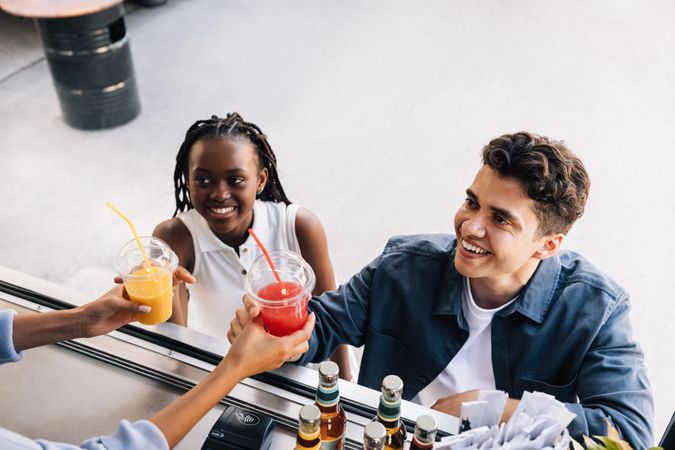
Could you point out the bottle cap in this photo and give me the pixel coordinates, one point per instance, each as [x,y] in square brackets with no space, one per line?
[329,371]
[427,423]
[310,413]
[392,386]
[425,427]
[374,434]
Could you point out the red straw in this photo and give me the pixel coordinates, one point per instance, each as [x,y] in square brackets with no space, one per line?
[267,255]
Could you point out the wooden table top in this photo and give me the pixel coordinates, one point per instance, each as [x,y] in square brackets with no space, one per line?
[55,9]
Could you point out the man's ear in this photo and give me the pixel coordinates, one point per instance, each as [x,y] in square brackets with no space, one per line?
[550,246]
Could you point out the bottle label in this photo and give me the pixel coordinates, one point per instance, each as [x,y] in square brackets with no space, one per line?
[389,411]
[327,397]
[307,441]
[337,444]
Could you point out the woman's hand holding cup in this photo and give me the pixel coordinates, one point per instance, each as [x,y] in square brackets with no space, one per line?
[254,350]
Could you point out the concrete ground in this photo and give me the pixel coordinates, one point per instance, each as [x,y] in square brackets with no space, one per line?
[377,112]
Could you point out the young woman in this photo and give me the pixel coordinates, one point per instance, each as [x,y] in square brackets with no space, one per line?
[226,182]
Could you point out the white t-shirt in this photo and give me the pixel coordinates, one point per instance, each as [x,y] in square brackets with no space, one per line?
[220,272]
[471,368]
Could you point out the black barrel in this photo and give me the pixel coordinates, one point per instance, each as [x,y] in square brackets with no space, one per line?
[90,61]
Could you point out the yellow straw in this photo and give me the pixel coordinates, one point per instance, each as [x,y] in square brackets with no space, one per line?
[133,230]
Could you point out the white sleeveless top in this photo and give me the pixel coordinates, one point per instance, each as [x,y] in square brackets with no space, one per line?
[220,272]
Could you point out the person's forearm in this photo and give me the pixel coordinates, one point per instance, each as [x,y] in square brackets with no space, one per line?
[509,408]
[341,357]
[33,330]
[177,419]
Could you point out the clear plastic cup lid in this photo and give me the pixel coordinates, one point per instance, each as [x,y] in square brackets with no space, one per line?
[130,258]
[289,266]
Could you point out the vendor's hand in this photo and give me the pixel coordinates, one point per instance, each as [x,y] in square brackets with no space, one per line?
[242,317]
[255,350]
[180,275]
[453,404]
[109,312]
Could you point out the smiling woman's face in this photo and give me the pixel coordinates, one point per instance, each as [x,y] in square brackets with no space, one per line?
[224,176]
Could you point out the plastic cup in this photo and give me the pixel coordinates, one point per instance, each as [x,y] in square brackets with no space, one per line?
[152,287]
[283,307]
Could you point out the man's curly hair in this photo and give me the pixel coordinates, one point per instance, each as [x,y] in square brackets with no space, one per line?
[548,171]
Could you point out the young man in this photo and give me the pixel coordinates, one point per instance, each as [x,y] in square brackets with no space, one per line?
[498,305]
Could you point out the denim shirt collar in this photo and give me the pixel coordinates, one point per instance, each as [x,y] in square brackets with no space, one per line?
[533,301]
[537,294]
[449,298]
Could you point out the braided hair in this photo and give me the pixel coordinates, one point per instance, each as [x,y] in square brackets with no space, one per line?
[215,127]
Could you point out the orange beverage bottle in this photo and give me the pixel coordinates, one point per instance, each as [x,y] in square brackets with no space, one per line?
[308,428]
[389,412]
[425,433]
[333,417]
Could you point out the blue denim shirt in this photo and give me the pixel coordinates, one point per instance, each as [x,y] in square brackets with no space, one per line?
[568,333]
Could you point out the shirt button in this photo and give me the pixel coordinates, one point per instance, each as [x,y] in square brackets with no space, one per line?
[244,250]
[243,271]
[422,379]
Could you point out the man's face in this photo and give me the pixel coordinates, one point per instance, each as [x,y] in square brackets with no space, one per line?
[496,229]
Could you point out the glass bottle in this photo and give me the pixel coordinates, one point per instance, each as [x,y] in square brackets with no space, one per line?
[333,417]
[389,412]
[308,428]
[425,433]
[374,436]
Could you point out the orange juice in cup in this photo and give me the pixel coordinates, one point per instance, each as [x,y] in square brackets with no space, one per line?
[152,286]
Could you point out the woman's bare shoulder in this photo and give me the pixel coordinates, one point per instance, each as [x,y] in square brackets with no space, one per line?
[174,232]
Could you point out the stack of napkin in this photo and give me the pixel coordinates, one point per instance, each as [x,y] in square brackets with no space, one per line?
[539,422]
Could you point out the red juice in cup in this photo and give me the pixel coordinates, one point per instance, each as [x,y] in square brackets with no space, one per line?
[288,318]
[283,306]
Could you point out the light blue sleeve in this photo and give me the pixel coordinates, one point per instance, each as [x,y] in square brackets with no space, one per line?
[140,435]
[7,351]
[128,436]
